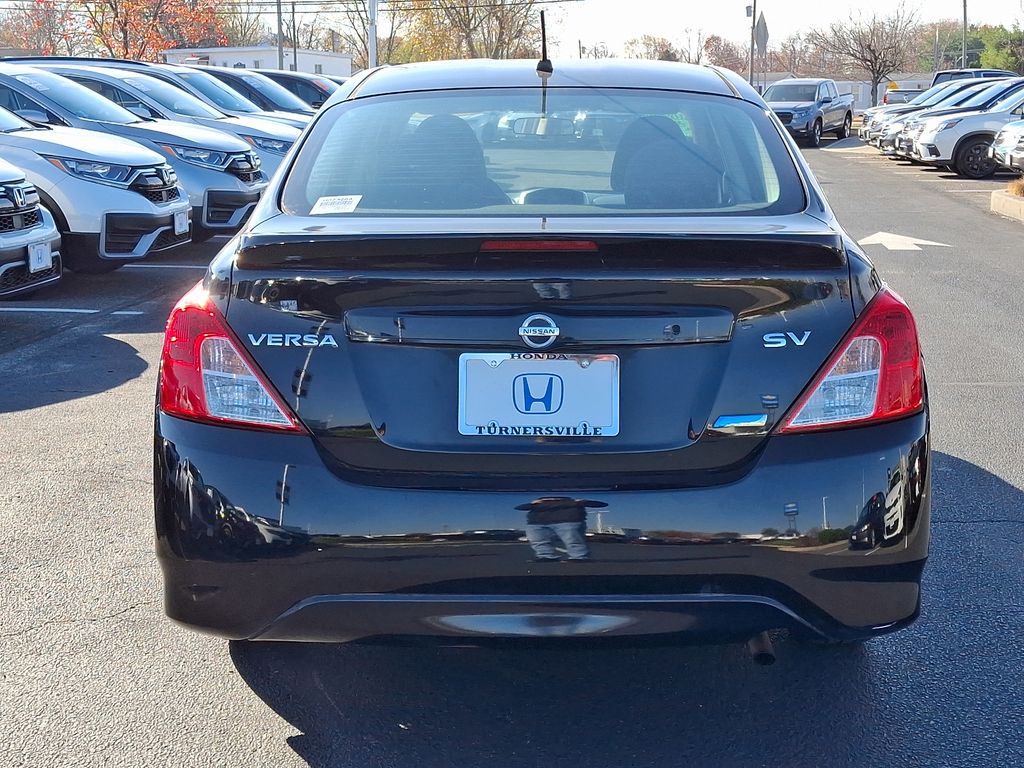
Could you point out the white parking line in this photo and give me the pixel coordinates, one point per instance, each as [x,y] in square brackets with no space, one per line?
[69,310]
[165,266]
[50,309]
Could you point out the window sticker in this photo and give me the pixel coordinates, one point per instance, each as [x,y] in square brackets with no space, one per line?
[31,82]
[336,204]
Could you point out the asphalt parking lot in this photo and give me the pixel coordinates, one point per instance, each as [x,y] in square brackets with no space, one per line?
[91,674]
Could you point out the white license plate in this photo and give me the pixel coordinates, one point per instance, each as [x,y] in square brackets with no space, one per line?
[538,394]
[39,257]
[181,223]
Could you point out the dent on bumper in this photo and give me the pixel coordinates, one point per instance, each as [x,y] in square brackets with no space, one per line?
[256,538]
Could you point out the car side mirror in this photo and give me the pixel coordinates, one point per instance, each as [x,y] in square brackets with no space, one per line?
[141,110]
[826,99]
[34,116]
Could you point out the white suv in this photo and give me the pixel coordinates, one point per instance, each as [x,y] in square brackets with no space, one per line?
[29,240]
[962,141]
[113,200]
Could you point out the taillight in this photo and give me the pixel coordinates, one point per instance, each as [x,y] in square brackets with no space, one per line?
[885,98]
[205,375]
[538,245]
[874,375]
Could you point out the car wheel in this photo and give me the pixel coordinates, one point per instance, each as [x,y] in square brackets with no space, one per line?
[844,132]
[814,139]
[973,161]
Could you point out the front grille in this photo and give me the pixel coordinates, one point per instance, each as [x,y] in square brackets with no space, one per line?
[167,239]
[158,185]
[12,222]
[246,167]
[785,117]
[19,277]
[161,195]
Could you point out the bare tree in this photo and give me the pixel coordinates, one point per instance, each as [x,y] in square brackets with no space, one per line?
[393,23]
[692,48]
[878,45]
[651,47]
[243,22]
[725,53]
[499,29]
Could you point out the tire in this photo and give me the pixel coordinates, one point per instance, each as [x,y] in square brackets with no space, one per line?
[814,139]
[847,127]
[972,159]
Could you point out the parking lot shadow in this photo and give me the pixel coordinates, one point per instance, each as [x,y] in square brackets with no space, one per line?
[907,698]
[38,378]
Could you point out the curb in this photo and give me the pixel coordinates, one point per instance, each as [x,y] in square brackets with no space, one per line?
[1005,204]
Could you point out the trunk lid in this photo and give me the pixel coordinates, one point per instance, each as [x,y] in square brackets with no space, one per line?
[714,334]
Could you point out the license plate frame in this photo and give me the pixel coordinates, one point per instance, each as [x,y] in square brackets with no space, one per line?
[40,257]
[538,395]
[181,222]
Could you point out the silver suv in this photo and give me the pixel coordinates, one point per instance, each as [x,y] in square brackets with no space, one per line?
[113,200]
[221,173]
[149,97]
[29,240]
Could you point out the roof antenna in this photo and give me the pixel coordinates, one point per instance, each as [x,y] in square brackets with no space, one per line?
[544,66]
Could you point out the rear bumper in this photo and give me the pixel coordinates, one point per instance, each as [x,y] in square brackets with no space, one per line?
[257,539]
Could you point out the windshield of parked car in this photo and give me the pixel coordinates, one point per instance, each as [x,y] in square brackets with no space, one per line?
[964,97]
[1009,103]
[76,98]
[275,92]
[987,93]
[220,94]
[924,96]
[178,101]
[944,96]
[791,92]
[10,122]
[500,152]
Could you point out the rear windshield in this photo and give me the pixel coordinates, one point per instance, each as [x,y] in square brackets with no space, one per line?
[518,152]
[791,92]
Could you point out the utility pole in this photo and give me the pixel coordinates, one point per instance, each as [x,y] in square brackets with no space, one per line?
[280,36]
[753,22]
[295,40]
[963,39]
[371,36]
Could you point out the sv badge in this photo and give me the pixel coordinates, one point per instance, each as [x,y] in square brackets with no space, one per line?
[772,340]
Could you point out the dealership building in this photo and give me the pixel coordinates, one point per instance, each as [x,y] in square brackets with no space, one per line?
[264,57]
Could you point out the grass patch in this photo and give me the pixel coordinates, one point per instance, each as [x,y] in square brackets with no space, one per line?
[1016,187]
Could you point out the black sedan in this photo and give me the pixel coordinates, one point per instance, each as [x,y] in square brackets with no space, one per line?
[452,389]
[260,90]
[314,90]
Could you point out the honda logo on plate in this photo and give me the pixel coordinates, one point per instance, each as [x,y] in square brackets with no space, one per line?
[539,393]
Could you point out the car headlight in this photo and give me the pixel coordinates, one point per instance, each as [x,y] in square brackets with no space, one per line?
[207,158]
[277,146]
[104,173]
[946,124]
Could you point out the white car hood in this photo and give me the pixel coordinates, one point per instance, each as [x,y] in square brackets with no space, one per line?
[256,126]
[79,144]
[171,131]
[10,174]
